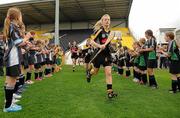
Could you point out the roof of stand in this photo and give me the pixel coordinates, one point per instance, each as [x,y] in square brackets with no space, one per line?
[43,11]
[85,10]
[34,11]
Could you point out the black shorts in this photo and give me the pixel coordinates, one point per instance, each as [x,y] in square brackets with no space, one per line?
[121,63]
[54,60]
[25,64]
[74,56]
[152,63]
[104,60]
[128,64]
[174,67]
[48,61]
[142,68]
[37,65]
[31,60]
[87,59]
[51,62]
[43,63]
[13,71]
[25,61]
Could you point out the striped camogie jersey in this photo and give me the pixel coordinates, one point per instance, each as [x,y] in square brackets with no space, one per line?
[46,48]
[151,43]
[101,39]
[14,51]
[37,57]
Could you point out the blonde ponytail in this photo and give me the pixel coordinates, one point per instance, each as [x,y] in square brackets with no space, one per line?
[6,28]
[13,15]
[97,26]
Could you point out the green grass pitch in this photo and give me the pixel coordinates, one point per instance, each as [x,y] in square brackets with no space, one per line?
[68,95]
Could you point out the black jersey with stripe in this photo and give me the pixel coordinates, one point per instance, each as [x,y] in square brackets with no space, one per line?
[13,51]
[101,39]
[151,43]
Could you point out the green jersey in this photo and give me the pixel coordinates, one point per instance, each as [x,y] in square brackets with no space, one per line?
[142,60]
[173,50]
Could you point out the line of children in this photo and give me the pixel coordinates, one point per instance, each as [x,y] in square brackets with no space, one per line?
[22,55]
[143,58]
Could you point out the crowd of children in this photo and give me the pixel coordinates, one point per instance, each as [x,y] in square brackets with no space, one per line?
[143,60]
[23,56]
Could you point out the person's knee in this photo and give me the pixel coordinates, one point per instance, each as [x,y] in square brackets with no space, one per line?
[95,72]
[173,77]
[150,71]
[10,81]
[108,73]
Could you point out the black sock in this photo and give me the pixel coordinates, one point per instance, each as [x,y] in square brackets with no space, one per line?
[53,69]
[21,79]
[128,73]
[50,71]
[109,86]
[174,85]
[8,96]
[40,74]
[144,78]
[135,74]
[154,80]
[16,86]
[45,71]
[28,76]
[35,75]
[150,81]
[138,76]
[178,84]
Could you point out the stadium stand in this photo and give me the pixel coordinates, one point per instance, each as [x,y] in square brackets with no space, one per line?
[67,36]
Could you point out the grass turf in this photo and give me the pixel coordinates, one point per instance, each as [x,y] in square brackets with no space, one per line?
[68,95]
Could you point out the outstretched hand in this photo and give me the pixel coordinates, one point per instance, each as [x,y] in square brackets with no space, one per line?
[102,47]
[27,36]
